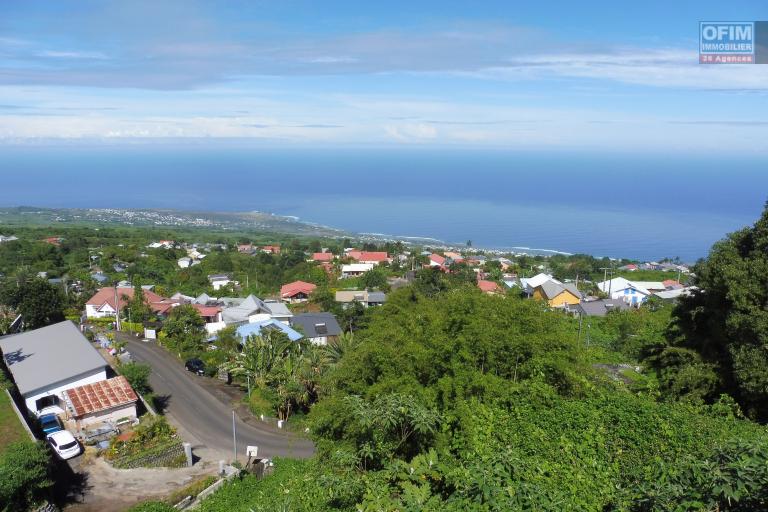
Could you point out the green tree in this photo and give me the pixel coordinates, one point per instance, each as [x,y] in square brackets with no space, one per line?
[184,328]
[138,306]
[38,302]
[137,375]
[24,475]
[725,322]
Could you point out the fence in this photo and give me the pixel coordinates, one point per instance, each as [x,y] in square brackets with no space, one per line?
[168,455]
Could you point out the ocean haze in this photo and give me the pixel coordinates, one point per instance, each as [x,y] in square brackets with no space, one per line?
[619,205]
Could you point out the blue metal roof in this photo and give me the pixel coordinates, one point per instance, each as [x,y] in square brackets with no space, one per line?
[246,330]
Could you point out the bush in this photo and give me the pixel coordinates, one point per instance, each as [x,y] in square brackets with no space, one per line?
[137,375]
[24,475]
[262,401]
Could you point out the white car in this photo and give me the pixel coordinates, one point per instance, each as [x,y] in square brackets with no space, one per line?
[64,444]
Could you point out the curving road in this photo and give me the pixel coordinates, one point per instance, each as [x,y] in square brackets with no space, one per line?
[206,418]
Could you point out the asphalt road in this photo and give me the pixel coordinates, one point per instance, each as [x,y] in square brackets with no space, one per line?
[203,416]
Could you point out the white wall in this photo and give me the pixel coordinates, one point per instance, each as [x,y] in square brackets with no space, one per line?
[58,389]
[108,415]
[93,311]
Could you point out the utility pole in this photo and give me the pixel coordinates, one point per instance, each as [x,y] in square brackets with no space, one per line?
[117,311]
[234,436]
[605,278]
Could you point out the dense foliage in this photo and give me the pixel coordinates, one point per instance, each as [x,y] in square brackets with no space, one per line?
[720,341]
[24,475]
[462,401]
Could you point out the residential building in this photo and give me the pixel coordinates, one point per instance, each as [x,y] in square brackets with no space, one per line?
[528,284]
[47,361]
[257,328]
[184,262]
[364,297]
[297,291]
[322,256]
[218,281]
[369,257]
[557,294]
[7,238]
[271,249]
[107,301]
[355,269]
[489,287]
[435,260]
[628,291]
[600,307]
[109,400]
[318,328]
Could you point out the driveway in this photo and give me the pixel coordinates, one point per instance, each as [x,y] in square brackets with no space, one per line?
[206,420]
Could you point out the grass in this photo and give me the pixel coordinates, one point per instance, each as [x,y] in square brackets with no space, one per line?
[11,429]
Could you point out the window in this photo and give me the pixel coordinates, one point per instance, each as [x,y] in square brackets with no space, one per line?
[321,328]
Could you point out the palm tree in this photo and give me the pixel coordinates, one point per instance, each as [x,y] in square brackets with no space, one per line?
[338,347]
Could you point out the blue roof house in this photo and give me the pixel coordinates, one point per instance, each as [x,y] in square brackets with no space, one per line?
[256,328]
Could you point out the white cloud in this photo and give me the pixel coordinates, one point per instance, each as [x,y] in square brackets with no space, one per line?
[53,54]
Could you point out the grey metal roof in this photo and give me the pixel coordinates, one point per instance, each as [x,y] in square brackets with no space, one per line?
[600,307]
[316,325]
[377,297]
[49,355]
[552,289]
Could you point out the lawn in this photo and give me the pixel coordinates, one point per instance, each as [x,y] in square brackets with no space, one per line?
[11,430]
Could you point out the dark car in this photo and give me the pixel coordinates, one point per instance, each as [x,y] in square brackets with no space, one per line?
[195,366]
[50,423]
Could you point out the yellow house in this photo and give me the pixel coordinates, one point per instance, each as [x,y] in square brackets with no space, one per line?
[557,295]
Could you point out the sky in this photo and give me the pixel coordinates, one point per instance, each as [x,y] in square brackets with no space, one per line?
[606,76]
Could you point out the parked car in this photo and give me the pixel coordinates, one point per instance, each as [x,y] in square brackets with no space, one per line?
[64,444]
[195,365]
[49,423]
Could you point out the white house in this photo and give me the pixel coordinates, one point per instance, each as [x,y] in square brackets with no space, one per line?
[219,281]
[184,262]
[528,284]
[47,361]
[355,269]
[628,291]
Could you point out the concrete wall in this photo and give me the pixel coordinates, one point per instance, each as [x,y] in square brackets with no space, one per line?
[107,415]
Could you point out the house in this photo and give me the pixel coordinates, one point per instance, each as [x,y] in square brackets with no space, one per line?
[47,361]
[599,307]
[164,244]
[7,238]
[364,297]
[372,258]
[528,284]
[245,248]
[671,284]
[108,300]
[322,256]
[454,256]
[631,267]
[106,400]
[219,281]
[489,287]
[297,291]
[211,314]
[184,262]
[437,261]
[557,294]
[257,328]
[53,240]
[355,269]
[675,293]
[271,249]
[319,328]
[628,291]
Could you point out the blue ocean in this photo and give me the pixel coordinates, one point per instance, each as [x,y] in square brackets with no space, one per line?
[619,205]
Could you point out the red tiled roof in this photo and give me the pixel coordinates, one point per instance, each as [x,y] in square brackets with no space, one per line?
[207,311]
[99,396]
[107,296]
[437,259]
[488,286]
[322,256]
[368,256]
[296,287]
